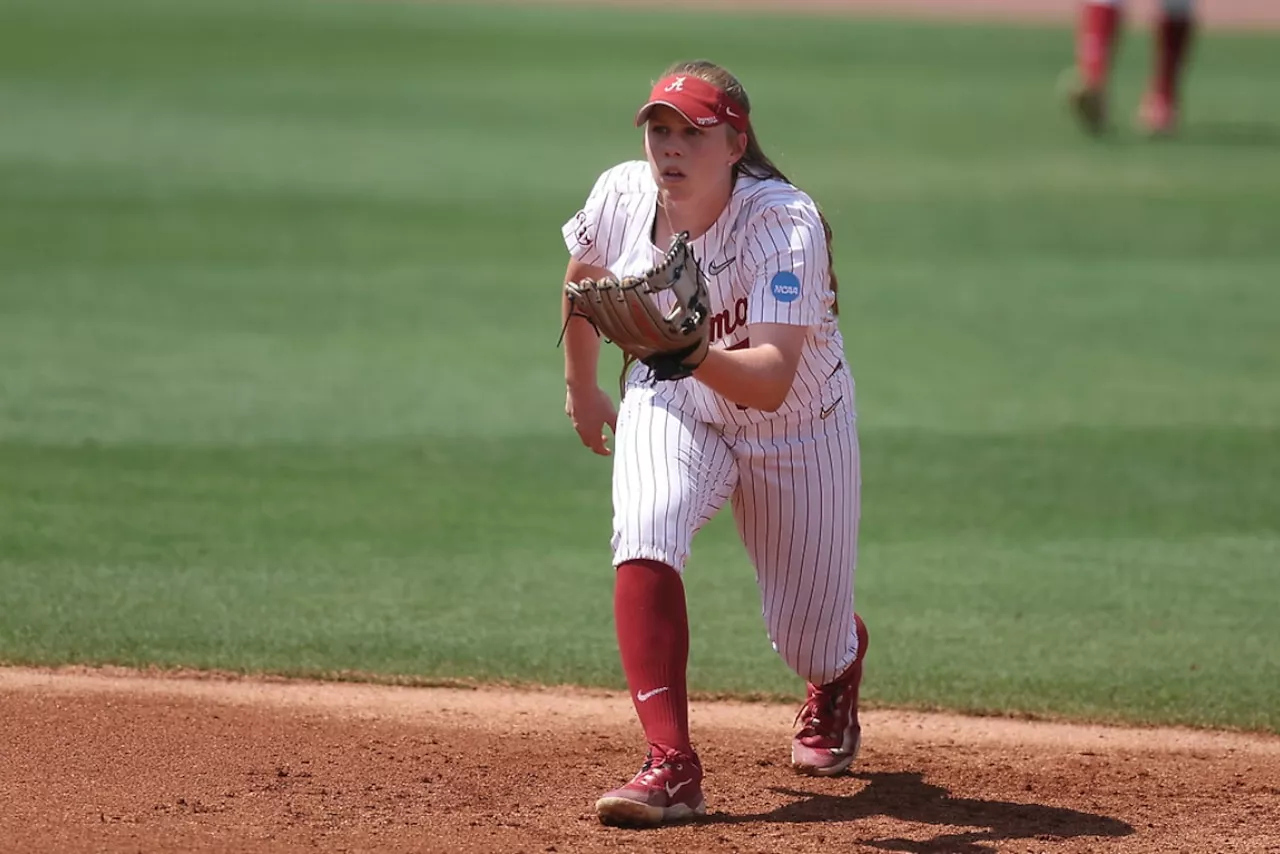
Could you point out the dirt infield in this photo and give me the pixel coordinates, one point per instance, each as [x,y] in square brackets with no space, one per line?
[124,763]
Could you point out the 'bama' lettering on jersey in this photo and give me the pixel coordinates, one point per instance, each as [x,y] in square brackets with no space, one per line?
[727,321]
[765,260]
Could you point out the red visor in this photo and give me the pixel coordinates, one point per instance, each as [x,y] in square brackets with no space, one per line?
[701,103]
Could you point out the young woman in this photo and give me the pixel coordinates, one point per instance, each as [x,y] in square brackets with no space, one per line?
[766,422]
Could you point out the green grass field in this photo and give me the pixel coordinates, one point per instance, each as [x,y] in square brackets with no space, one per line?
[279,388]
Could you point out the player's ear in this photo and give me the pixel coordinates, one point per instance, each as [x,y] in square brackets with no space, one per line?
[738,143]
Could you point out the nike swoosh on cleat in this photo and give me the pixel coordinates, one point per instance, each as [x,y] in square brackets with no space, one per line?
[671,790]
[642,696]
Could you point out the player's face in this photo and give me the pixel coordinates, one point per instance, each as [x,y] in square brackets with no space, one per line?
[688,160]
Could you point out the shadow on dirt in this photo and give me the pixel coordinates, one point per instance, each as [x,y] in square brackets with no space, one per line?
[906,797]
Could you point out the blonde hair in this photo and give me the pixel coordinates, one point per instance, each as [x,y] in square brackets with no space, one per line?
[754,162]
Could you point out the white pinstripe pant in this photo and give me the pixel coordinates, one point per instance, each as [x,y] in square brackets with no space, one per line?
[794,485]
[1172,7]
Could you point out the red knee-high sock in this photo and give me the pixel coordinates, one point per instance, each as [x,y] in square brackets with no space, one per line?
[653,640]
[1173,37]
[1095,42]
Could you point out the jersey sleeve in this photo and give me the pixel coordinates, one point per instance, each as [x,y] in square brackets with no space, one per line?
[588,234]
[786,264]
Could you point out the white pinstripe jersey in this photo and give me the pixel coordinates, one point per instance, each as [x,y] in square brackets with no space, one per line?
[766,261]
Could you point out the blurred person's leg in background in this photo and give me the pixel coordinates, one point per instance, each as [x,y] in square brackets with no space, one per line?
[1097,36]
[1173,33]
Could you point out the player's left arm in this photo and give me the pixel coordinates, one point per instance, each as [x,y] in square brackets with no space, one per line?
[759,376]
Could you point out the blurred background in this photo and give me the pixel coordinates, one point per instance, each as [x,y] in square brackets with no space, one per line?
[279,386]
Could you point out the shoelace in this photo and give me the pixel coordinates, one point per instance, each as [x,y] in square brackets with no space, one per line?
[811,712]
[655,763]
[648,770]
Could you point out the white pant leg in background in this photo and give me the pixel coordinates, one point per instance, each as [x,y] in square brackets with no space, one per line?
[1179,8]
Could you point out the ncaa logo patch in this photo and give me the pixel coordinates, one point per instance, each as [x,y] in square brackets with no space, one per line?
[785,286]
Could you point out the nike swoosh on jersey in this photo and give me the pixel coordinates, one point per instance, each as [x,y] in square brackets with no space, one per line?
[717,268]
[830,409]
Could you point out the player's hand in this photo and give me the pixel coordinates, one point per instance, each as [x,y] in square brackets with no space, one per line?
[589,409]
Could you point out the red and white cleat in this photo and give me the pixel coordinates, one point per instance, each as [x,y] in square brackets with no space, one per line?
[1088,102]
[668,788]
[828,742]
[1158,115]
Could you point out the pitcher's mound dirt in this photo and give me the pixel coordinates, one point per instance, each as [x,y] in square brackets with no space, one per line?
[129,763]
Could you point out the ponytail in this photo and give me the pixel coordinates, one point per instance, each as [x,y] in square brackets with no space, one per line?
[756,164]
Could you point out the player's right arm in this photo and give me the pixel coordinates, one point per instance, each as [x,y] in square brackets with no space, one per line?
[588,406]
[593,238]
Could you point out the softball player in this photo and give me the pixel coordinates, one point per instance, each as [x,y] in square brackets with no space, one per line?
[766,422]
[1100,22]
